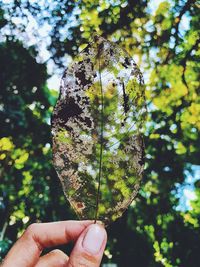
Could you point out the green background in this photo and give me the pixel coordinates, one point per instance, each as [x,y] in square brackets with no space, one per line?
[161,227]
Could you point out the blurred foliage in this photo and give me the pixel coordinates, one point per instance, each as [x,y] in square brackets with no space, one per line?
[165,43]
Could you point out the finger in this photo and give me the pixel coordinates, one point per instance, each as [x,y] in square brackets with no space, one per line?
[28,248]
[55,258]
[89,247]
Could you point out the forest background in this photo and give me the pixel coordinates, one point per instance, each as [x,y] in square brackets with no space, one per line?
[38,39]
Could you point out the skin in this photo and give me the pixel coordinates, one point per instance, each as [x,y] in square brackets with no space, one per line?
[27,250]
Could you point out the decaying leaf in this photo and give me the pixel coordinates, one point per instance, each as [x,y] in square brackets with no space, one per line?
[98,150]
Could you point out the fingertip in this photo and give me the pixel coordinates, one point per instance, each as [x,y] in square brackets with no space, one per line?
[94,239]
[89,248]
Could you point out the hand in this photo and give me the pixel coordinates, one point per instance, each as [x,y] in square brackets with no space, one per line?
[90,243]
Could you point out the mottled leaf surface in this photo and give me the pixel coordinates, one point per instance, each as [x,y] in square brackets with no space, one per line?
[98,150]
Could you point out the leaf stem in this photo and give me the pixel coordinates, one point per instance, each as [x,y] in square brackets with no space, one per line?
[101,146]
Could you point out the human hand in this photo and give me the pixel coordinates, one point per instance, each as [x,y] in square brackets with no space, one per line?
[90,241]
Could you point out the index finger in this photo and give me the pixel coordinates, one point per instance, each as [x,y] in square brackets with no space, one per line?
[28,248]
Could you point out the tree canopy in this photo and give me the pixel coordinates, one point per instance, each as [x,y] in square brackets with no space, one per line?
[164,39]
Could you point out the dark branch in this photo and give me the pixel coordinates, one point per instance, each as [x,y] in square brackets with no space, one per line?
[185,8]
[183,62]
[177,21]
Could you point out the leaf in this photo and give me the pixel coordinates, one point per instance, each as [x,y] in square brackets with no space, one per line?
[98,150]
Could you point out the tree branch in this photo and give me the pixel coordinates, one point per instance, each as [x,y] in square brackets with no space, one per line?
[185,8]
[3,231]
[183,62]
[177,20]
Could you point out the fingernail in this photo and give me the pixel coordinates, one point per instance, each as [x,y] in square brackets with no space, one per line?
[94,238]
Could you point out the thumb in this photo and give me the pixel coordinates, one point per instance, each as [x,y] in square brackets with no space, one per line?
[89,247]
